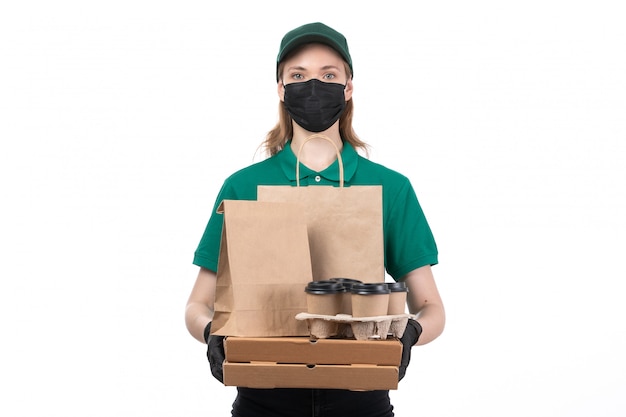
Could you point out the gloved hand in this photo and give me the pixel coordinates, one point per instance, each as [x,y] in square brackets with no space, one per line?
[409,338]
[215,353]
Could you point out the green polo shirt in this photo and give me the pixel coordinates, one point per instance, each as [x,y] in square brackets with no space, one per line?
[408,241]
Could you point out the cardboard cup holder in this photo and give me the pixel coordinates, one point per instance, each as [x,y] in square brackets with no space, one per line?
[361,328]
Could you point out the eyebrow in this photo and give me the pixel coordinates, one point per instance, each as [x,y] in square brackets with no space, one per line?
[300,68]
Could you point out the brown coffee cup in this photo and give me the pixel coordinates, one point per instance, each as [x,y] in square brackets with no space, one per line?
[346,302]
[397,297]
[324,297]
[370,299]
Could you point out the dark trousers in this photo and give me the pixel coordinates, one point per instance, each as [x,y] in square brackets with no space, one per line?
[288,402]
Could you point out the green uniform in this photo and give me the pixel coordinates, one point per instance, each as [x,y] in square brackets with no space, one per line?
[409,243]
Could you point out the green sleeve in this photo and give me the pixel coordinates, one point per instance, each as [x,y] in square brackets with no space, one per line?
[409,242]
[207,252]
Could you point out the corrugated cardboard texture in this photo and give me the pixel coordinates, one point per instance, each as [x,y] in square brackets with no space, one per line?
[271,375]
[301,350]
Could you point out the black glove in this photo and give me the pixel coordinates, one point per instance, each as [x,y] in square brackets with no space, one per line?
[409,338]
[215,353]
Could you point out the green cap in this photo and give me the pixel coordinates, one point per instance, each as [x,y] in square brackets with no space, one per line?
[314,32]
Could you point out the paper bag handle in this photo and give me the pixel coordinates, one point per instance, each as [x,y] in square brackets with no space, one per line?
[339,159]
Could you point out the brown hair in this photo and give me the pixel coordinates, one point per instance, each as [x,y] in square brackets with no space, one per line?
[282,132]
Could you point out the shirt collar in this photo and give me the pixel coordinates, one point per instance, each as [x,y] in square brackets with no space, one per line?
[349,155]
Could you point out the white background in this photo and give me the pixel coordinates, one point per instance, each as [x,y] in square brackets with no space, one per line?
[119,121]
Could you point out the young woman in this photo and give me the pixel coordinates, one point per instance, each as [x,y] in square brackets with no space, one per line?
[314,74]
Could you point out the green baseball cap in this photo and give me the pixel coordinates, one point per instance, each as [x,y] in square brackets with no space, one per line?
[314,32]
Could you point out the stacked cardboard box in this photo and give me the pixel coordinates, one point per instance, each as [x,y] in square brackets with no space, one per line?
[299,362]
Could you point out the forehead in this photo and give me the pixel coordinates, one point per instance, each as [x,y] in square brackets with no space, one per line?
[314,54]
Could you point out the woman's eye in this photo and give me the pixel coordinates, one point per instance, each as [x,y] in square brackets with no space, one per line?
[329,76]
[297,76]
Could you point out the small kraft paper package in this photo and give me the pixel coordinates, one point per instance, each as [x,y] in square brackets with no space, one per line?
[264,261]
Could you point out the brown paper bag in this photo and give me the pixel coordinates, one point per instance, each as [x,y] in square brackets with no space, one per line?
[344,225]
[263,268]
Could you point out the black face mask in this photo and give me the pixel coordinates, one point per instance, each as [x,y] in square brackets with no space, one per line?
[314,104]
